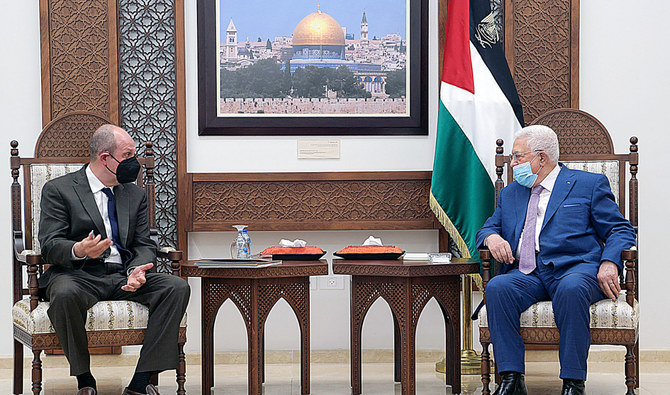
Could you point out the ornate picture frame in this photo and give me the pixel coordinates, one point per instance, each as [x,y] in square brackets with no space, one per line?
[337,112]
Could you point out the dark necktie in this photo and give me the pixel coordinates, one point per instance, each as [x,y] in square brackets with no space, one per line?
[527,253]
[114,222]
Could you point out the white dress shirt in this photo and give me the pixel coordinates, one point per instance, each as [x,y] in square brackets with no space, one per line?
[101,202]
[547,185]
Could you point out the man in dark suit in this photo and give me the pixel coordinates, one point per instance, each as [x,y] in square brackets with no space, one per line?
[94,234]
[559,235]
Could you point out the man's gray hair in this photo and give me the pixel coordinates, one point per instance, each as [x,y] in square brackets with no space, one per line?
[103,140]
[540,138]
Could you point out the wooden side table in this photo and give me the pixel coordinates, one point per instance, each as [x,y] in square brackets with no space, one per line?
[255,291]
[407,287]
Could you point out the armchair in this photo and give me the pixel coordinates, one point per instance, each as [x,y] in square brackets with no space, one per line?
[62,148]
[584,144]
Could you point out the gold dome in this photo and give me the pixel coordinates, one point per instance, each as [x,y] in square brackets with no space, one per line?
[318,28]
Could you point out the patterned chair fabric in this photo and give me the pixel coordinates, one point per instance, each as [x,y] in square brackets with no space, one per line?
[604,314]
[40,174]
[104,315]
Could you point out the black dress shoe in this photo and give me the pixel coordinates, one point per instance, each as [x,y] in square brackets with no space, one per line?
[87,391]
[572,387]
[511,383]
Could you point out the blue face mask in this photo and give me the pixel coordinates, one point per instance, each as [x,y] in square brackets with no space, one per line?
[523,173]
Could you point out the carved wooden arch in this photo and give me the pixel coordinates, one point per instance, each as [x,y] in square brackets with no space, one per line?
[418,308]
[579,133]
[294,297]
[222,293]
[67,136]
[396,315]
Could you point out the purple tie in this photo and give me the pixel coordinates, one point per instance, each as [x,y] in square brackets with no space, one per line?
[527,255]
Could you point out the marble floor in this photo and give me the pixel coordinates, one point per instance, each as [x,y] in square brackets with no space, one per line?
[605,378]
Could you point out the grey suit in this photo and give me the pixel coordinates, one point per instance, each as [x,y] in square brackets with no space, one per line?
[68,214]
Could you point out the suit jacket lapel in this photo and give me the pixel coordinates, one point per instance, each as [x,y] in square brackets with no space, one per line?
[122,213]
[83,191]
[564,183]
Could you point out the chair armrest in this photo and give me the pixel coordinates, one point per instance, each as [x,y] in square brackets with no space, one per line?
[174,256]
[487,258]
[629,256]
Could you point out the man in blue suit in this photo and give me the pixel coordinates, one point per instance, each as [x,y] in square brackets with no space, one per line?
[558,234]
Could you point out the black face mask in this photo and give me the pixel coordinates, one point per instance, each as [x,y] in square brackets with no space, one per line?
[127,170]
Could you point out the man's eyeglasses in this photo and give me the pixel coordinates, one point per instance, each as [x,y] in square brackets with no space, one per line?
[516,155]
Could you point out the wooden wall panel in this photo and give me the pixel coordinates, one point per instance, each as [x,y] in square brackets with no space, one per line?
[542,49]
[311,201]
[79,58]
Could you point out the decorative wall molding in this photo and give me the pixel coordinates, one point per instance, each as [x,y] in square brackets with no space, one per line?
[79,62]
[310,201]
[542,49]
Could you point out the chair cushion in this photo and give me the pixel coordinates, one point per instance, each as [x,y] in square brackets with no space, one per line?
[104,315]
[40,174]
[604,314]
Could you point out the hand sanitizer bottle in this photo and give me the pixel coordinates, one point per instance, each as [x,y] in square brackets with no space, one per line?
[239,246]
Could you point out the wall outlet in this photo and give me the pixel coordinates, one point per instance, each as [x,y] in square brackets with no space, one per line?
[331,282]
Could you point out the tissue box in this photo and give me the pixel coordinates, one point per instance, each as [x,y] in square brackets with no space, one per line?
[306,253]
[370,252]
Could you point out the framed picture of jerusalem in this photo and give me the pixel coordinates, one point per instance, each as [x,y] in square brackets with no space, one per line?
[310,67]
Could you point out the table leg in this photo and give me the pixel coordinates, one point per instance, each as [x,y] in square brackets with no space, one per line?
[262,351]
[255,338]
[356,326]
[305,340]
[207,341]
[397,351]
[456,351]
[408,383]
[448,342]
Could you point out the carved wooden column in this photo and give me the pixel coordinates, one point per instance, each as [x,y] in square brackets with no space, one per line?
[542,48]
[79,58]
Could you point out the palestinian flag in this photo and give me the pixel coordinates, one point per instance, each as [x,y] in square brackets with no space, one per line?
[478,104]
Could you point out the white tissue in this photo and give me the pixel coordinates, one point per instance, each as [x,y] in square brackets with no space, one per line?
[373,241]
[294,243]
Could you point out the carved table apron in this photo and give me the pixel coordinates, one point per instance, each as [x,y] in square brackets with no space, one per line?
[255,291]
[407,287]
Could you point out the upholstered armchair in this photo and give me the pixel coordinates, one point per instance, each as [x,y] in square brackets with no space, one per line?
[584,144]
[62,148]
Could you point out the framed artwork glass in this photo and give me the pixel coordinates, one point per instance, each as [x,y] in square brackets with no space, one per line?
[304,67]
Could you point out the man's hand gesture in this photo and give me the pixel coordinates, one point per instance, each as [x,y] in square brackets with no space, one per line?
[499,248]
[137,278]
[91,246]
[608,279]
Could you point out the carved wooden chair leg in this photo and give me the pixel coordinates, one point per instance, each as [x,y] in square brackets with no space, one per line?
[181,371]
[486,369]
[18,367]
[37,372]
[630,370]
[637,364]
